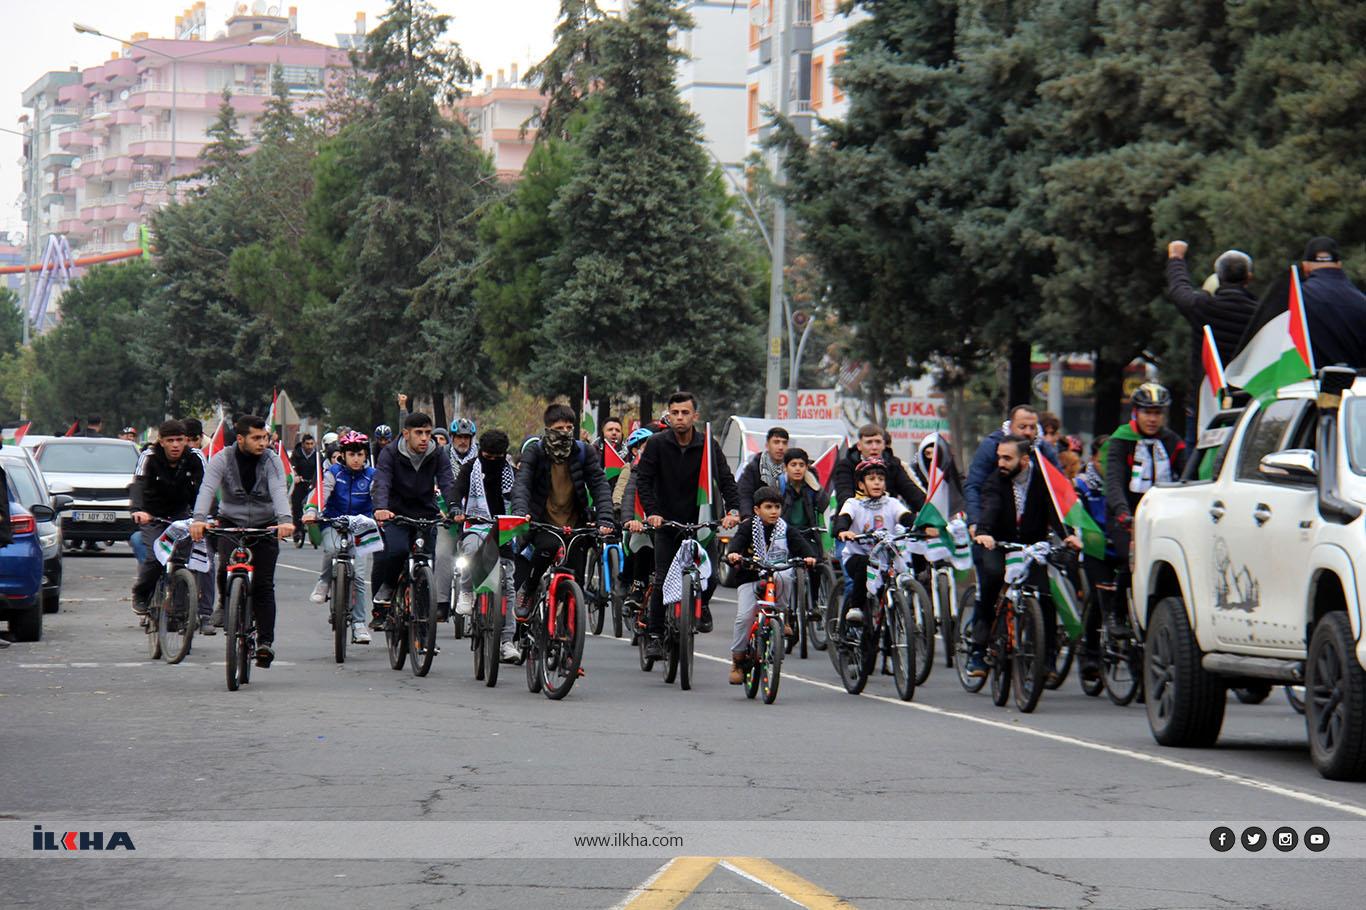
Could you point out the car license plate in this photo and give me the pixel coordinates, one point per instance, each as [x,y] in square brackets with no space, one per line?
[109,517]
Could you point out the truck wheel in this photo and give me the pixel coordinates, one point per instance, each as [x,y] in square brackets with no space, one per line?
[1335,701]
[1185,704]
[28,626]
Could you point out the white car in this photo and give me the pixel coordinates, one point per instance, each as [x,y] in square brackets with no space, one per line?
[1258,573]
[98,472]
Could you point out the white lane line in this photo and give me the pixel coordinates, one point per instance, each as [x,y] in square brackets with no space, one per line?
[759,881]
[39,666]
[1175,764]
[285,565]
[643,886]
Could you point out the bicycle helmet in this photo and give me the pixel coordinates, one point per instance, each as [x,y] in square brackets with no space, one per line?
[353,440]
[869,466]
[384,431]
[1151,395]
[329,439]
[463,426]
[637,437]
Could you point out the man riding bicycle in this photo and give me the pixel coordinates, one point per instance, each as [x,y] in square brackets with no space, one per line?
[346,492]
[666,480]
[248,480]
[164,490]
[483,490]
[560,482]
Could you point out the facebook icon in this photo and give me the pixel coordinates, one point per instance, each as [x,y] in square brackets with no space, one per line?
[1222,839]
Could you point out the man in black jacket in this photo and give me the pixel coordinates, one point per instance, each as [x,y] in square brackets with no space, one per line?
[164,490]
[1333,307]
[872,446]
[305,473]
[560,482]
[764,469]
[667,476]
[1015,508]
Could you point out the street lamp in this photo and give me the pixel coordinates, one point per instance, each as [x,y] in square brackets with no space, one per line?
[83,29]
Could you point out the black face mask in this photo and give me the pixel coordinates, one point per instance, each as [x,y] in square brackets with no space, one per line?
[558,444]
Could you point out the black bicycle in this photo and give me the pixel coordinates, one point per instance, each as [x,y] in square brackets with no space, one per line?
[602,584]
[173,612]
[812,591]
[239,623]
[342,589]
[682,616]
[410,626]
[888,628]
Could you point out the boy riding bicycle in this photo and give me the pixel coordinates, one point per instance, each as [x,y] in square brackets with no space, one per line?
[346,493]
[483,490]
[875,511]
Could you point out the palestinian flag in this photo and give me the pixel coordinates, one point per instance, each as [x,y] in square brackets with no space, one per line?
[612,463]
[486,567]
[935,514]
[1066,600]
[217,442]
[1213,384]
[704,485]
[1070,508]
[824,469]
[12,436]
[588,422]
[315,503]
[510,527]
[1278,351]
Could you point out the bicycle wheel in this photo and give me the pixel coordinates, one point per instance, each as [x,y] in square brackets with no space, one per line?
[396,626]
[646,663]
[179,615]
[999,653]
[771,659]
[1122,666]
[535,653]
[820,591]
[341,609]
[422,621]
[592,589]
[1030,657]
[564,650]
[686,617]
[800,610]
[904,639]
[921,608]
[151,623]
[967,613]
[943,589]
[618,593]
[232,627]
[490,632]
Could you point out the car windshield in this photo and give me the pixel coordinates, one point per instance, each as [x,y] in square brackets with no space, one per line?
[88,458]
[23,486]
[1356,433]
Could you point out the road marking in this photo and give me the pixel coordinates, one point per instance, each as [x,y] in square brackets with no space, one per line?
[285,565]
[785,884]
[671,884]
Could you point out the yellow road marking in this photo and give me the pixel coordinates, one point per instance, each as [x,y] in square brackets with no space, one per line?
[672,884]
[785,883]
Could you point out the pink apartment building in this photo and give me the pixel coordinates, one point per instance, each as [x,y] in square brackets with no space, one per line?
[504,116]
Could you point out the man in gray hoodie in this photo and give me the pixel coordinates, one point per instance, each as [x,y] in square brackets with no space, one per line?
[250,481]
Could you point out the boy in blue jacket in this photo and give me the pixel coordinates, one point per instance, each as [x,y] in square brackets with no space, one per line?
[346,492]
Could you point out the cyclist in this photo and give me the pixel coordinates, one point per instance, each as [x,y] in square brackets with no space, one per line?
[803,499]
[406,481]
[872,446]
[763,469]
[441,438]
[463,450]
[248,481]
[931,445]
[383,435]
[483,490]
[1023,421]
[872,510]
[559,481]
[346,492]
[640,559]
[301,460]
[612,435]
[167,481]
[1015,507]
[668,473]
[764,537]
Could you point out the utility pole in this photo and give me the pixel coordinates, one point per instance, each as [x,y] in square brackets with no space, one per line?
[776,282]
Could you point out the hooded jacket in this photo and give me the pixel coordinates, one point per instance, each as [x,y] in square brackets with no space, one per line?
[666,477]
[532,488]
[407,486]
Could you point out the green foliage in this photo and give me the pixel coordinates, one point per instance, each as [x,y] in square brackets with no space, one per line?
[11,322]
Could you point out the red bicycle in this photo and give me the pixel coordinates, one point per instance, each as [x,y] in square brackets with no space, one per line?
[551,636]
[763,660]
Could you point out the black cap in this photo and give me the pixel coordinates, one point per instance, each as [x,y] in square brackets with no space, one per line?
[1321,249]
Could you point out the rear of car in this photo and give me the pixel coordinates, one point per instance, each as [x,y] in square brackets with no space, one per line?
[99,473]
[30,488]
[21,576]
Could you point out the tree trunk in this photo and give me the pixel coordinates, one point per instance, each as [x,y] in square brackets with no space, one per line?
[604,411]
[1020,384]
[647,408]
[439,408]
[1178,416]
[1109,394]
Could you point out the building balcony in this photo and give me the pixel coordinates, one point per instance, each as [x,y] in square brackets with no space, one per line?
[58,161]
[74,94]
[92,77]
[126,117]
[122,71]
[117,166]
[185,149]
[91,166]
[70,182]
[121,213]
[75,139]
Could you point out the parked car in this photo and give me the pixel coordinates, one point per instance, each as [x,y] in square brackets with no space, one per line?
[99,473]
[21,572]
[30,488]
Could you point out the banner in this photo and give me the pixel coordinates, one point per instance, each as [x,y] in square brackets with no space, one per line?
[910,418]
[812,404]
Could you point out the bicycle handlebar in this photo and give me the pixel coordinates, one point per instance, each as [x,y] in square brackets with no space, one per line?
[795,562]
[687,528]
[443,521]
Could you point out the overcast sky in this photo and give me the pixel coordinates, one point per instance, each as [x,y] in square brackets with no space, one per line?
[39,37]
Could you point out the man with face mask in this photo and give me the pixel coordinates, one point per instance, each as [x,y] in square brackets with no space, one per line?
[555,480]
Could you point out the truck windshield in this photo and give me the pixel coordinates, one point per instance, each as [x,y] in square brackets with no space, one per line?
[1355,429]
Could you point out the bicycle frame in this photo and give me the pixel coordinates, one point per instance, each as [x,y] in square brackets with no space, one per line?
[558,571]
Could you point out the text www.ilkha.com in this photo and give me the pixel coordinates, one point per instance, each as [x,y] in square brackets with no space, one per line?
[628,839]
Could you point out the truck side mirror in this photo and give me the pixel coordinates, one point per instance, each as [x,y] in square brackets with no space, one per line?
[1290,466]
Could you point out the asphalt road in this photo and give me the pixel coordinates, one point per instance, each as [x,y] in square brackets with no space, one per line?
[92,734]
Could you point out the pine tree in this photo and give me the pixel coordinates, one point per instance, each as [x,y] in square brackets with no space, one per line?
[223,155]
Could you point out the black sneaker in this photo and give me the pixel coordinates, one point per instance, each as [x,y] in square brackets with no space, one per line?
[216,620]
[443,612]
[264,655]
[384,595]
[206,626]
[378,617]
[704,624]
[654,647]
[140,609]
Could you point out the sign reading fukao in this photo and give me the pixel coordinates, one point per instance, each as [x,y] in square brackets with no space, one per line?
[912,418]
[812,404]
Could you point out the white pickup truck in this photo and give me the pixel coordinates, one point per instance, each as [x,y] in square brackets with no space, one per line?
[1253,570]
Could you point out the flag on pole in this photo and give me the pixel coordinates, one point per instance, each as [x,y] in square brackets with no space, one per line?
[588,421]
[486,567]
[1279,353]
[1212,384]
[935,514]
[612,463]
[315,503]
[12,436]
[824,469]
[272,416]
[74,428]
[1071,511]
[285,465]
[704,485]
[218,441]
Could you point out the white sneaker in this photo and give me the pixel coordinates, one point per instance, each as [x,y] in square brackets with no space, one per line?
[320,591]
[510,651]
[360,635]
[464,605]
[854,616]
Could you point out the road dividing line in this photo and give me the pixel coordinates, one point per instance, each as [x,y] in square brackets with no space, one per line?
[785,884]
[671,884]
[285,565]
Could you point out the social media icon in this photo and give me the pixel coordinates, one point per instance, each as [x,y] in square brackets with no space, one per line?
[1316,839]
[1286,839]
[1221,839]
[1254,839]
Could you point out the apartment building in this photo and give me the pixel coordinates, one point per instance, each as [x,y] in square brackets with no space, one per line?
[505,116]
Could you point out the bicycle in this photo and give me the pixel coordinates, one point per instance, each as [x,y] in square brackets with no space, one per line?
[1015,648]
[551,636]
[239,625]
[764,647]
[856,647]
[486,622]
[173,611]
[680,622]
[602,584]
[963,639]
[410,627]
[812,590]
[342,590]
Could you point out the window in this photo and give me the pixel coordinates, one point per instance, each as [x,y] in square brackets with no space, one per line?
[835,86]
[753,29]
[817,10]
[753,116]
[1266,434]
[817,82]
